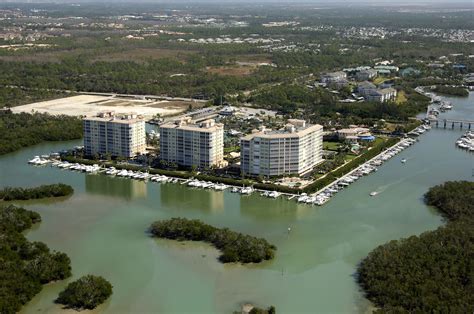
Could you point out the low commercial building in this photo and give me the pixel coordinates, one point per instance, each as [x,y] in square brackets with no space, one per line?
[390,68]
[366,75]
[382,95]
[407,72]
[227,111]
[115,135]
[296,149]
[366,88]
[351,133]
[333,77]
[191,144]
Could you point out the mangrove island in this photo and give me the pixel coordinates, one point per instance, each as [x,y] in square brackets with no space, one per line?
[25,266]
[235,246]
[43,191]
[432,272]
[87,292]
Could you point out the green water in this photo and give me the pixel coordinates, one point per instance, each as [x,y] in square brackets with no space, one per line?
[102,227]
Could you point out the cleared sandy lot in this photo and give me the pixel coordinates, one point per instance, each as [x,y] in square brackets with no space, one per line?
[90,105]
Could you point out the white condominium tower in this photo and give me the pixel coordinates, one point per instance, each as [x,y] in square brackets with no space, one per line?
[188,143]
[118,135]
[296,149]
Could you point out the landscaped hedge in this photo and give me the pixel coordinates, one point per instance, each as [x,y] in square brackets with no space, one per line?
[354,163]
[228,181]
[315,186]
[276,187]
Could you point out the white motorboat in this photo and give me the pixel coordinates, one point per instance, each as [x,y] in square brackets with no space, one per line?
[374,193]
[302,198]
[34,160]
[274,194]
[246,190]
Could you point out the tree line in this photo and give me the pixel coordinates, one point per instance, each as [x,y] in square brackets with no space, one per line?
[25,265]
[430,273]
[25,129]
[451,90]
[43,191]
[234,246]
[319,103]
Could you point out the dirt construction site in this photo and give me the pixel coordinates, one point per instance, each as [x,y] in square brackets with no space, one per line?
[90,105]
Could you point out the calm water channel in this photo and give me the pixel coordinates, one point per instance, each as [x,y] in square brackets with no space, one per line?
[102,228]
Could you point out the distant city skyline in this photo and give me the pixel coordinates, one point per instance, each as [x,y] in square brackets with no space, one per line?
[403,2]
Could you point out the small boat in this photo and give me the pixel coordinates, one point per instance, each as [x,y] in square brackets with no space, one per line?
[403,160]
[34,160]
[246,190]
[274,194]
[374,193]
[302,198]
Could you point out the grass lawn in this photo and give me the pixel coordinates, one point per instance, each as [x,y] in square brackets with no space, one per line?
[231,149]
[377,141]
[401,97]
[349,157]
[331,145]
[379,80]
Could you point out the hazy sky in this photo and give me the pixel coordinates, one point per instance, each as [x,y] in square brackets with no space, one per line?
[256,1]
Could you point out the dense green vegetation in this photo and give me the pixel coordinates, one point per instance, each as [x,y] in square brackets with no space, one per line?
[24,129]
[452,90]
[235,247]
[25,266]
[319,104]
[354,163]
[315,186]
[11,97]
[455,199]
[43,191]
[87,292]
[432,272]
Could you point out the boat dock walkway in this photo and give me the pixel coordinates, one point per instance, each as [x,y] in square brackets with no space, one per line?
[319,197]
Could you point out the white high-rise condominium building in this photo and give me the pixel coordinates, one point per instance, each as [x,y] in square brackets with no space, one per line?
[118,135]
[189,143]
[296,149]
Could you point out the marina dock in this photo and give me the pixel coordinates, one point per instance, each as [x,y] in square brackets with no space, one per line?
[318,198]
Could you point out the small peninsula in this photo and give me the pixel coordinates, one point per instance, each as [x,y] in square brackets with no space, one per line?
[432,272]
[25,265]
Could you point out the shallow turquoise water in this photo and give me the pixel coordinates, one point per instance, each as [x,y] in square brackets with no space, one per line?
[102,227]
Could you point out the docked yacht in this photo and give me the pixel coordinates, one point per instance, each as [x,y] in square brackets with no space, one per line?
[302,198]
[246,190]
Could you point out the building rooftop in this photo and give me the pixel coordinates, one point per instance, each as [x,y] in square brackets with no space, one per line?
[384,91]
[110,116]
[335,74]
[294,128]
[187,123]
[367,85]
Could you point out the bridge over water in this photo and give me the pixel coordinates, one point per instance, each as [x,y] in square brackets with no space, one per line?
[451,123]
